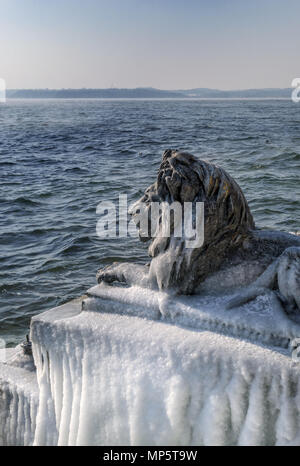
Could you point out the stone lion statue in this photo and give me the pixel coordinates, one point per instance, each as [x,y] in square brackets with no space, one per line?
[233,253]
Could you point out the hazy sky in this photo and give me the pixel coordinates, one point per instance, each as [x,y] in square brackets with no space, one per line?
[168,44]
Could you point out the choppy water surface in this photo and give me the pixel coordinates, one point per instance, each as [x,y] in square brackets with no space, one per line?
[59,159]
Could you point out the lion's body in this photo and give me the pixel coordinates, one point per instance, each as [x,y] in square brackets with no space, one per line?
[231,241]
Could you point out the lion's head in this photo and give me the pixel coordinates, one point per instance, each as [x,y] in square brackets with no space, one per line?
[227,220]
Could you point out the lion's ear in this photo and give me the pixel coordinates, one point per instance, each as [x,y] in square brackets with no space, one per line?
[167,154]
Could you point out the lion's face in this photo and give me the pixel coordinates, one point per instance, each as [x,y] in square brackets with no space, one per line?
[142,208]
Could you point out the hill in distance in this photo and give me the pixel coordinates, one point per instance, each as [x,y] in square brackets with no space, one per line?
[147,92]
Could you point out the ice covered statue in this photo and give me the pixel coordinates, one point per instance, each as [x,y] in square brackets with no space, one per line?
[201,347]
[231,241]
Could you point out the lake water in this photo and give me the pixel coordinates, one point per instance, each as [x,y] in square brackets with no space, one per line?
[60,158]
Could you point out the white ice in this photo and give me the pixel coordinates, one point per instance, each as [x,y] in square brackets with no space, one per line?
[138,367]
[18,399]
[258,321]
[107,378]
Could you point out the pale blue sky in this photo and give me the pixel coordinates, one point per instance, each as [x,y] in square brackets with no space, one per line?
[169,44]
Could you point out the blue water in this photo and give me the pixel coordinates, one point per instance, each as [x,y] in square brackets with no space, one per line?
[60,158]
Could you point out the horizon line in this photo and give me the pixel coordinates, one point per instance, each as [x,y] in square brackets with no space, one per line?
[145,87]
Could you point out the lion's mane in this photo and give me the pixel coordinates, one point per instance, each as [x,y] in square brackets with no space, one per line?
[227,219]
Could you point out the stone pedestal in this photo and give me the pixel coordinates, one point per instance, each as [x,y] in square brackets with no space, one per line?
[135,367]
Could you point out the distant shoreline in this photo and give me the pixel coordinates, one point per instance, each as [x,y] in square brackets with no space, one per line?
[149,93]
[180,99]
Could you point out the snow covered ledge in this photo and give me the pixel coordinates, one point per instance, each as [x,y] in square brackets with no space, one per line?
[115,379]
[19,397]
[132,367]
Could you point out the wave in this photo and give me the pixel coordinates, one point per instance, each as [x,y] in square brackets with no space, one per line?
[285,155]
[89,148]
[77,245]
[21,200]
[76,169]
[4,164]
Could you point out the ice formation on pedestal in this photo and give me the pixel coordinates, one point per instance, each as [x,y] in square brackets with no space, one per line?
[18,400]
[104,377]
